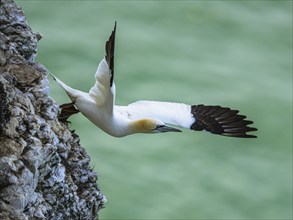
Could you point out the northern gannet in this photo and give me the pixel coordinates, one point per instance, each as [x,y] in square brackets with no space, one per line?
[146,116]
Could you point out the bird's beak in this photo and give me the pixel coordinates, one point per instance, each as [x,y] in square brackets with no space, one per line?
[164,128]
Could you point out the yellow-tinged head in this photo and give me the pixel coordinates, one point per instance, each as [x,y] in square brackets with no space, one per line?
[151,126]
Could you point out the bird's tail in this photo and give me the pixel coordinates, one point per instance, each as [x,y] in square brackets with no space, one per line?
[72,93]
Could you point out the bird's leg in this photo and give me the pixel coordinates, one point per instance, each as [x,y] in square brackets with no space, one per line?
[67,110]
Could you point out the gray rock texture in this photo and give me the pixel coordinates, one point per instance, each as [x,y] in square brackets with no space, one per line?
[44,172]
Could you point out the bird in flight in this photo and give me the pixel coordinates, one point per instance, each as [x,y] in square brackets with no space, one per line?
[98,105]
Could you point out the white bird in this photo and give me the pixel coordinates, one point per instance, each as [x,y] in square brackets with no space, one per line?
[146,116]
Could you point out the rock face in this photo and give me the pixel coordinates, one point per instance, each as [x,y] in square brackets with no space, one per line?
[44,172]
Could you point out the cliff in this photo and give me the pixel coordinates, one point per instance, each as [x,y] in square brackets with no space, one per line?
[44,172]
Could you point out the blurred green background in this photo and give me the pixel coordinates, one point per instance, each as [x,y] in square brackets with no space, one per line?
[232,53]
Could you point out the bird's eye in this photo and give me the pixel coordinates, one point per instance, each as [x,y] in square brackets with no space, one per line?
[158,127]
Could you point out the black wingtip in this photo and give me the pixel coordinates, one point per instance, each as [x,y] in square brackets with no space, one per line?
[221,120]
[110,49]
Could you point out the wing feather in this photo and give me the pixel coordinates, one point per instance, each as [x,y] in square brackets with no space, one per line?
[177,114]
[103,92]
[110,48]
[221,120]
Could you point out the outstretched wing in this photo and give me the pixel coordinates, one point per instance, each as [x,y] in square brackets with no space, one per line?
[215,119]
[177,114]
[104,89]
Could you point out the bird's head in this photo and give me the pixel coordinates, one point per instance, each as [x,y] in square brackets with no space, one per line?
[151,126]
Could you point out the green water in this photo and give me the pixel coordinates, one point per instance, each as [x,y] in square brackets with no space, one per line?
[232,53]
